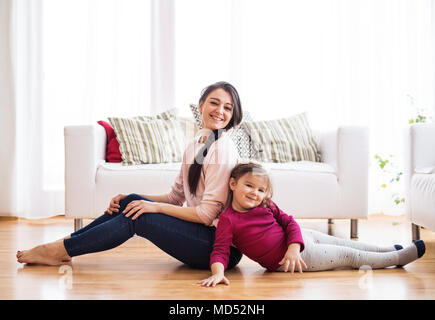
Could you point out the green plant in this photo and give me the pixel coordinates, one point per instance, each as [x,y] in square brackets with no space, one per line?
[418,119]
[386,163]
[418,113]
[387,166]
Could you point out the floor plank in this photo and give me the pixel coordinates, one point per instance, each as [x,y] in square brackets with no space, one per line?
[139,270]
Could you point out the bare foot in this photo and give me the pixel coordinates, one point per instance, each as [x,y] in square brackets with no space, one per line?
[52,254]
[67,258]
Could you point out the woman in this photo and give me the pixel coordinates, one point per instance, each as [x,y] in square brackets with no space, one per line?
[185,233]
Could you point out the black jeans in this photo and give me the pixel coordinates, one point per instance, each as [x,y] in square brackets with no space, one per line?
[188,242]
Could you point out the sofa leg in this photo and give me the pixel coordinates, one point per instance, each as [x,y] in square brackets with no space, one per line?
[78,224]
[415,232]
[354,228]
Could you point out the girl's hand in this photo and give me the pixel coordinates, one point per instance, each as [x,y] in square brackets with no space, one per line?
[214,280]
[293,258]
[140,206]
[114,204]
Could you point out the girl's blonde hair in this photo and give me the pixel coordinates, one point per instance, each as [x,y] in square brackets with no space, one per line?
[256,169]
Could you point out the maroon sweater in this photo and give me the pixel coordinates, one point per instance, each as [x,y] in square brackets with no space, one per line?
[262,234]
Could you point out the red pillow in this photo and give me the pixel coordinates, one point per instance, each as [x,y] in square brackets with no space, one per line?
[112,147]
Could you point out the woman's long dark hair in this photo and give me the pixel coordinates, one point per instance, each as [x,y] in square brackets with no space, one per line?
[196,167]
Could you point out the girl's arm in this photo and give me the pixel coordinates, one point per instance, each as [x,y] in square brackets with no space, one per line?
[291,227]
[217,271]
[221,252]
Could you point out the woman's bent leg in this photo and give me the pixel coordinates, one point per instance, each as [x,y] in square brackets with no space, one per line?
[106,217]
[188,242]
[101,219]
[104,233]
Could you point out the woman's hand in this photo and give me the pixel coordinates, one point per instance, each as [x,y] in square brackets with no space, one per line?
[114,204]
[138,207]
[214,280]
[293,258]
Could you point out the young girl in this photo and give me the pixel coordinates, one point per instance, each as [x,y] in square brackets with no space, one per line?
[267,235]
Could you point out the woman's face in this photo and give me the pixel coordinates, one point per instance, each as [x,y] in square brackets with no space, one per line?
[216,110]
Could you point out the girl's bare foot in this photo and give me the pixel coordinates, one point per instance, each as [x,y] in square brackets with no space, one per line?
[52,254]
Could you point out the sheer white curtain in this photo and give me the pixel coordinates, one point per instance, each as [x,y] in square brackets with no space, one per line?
[23,194]
[346,62]
[7,112]
[65,62]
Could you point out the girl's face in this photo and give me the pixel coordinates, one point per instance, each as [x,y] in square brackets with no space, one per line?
[249,191]
[216,110]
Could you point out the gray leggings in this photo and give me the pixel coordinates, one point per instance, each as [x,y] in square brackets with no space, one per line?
[325,252]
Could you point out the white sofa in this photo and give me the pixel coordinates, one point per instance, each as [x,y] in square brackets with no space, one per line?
[420,177]
[336,188]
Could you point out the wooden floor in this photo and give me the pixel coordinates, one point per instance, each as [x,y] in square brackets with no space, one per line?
[138,270]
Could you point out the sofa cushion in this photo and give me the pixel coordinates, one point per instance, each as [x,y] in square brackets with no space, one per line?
[425,170]
[298,186]
[138,168]
[284,140]
[148,141]
[114,178]
[301,166]
[112,145]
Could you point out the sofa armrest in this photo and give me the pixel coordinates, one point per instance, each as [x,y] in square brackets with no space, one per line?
[353,155]
[327,143]
[85,148]
[419,154]
[420,148]
[347,150]
[353,168]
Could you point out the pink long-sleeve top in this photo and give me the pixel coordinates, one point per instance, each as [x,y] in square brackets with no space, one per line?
[262,234]
[212,192]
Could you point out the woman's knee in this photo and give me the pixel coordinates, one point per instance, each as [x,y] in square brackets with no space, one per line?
[129,198]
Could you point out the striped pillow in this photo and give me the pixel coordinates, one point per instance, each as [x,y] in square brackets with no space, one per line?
[143,140]
[166,115]
[283,140]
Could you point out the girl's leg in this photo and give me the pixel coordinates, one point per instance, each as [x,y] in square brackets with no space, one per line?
[320,257]
[319,237]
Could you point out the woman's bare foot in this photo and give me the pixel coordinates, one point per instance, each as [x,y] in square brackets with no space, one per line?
[67,258]
[52,254]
